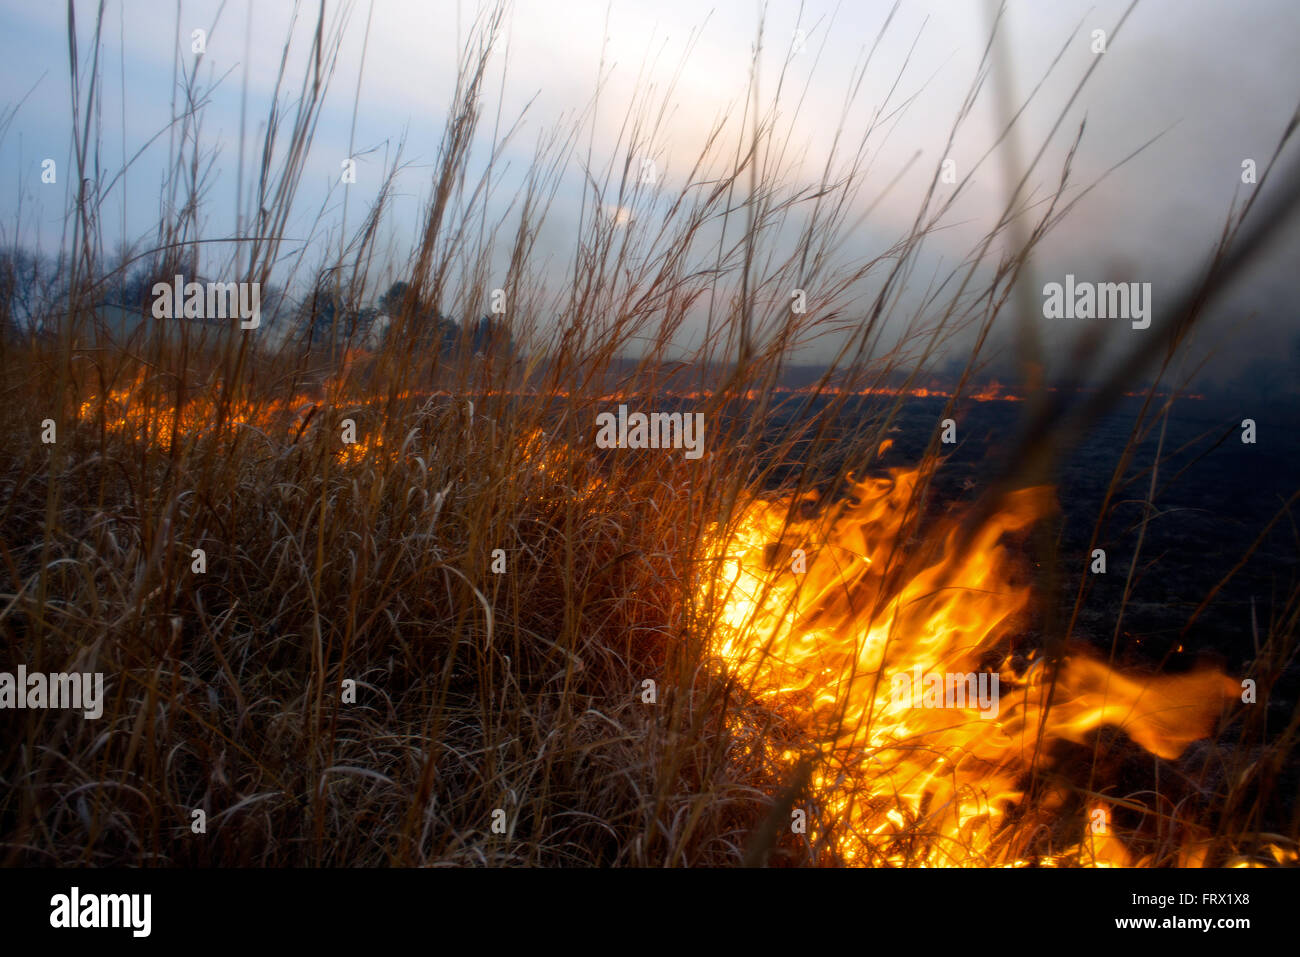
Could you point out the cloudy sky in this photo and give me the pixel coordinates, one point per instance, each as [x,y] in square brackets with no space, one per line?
[1218,78]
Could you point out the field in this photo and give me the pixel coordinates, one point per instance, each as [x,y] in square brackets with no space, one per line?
[365,599]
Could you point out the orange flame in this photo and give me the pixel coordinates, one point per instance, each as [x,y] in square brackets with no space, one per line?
[880,663]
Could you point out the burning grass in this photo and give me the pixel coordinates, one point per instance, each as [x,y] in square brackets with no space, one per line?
[773,668]
[472,637]
[850,639]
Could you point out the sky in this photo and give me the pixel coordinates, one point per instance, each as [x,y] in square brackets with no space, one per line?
[1218,80]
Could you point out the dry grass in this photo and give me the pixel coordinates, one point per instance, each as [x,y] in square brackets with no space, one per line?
[475,691]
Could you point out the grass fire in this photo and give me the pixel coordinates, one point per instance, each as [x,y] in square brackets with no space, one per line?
[672,490]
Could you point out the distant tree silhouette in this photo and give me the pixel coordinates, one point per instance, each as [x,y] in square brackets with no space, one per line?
[327,317]
[8,284]
[417,320]
[132,287]
[492,337]
[393,301]
[29,283]
[427,331]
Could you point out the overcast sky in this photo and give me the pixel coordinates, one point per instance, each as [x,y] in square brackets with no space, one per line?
[1221,78]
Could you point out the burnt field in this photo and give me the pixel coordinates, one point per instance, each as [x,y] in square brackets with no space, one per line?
[1219,545]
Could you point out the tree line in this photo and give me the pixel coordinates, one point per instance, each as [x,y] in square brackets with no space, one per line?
[327,317]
